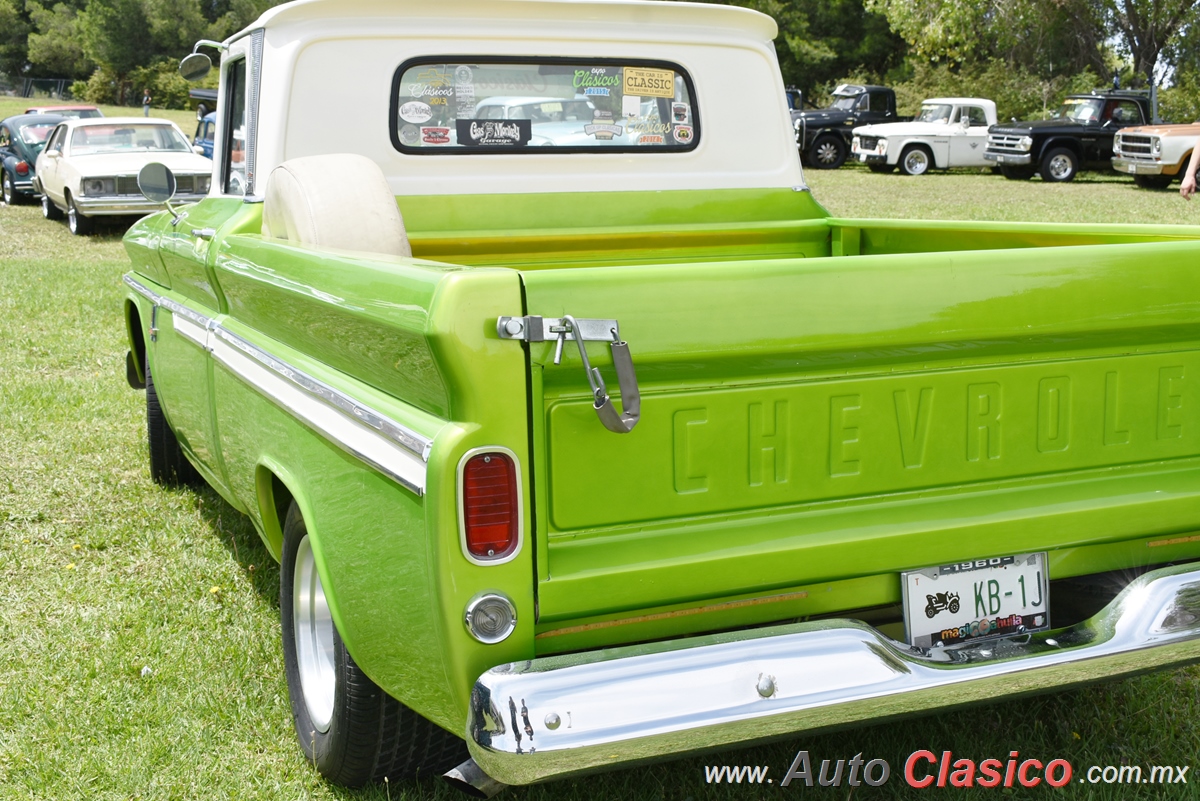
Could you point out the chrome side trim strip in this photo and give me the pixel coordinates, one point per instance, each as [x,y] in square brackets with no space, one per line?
[596,710]
[386,456]
[167,303]
[390,447]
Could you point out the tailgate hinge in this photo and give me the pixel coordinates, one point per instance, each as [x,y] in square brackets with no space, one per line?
[533,328]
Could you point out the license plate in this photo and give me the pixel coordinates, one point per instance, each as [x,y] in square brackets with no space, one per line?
[862,156]
[978,600]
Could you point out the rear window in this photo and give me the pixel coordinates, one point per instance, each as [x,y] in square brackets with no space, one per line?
[492,105]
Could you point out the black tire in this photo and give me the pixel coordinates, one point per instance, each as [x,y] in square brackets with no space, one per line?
[370,736]
[11,196]
[168,465]
[1059,166]
[49,210]
[882,169]
[76,222]
[1153,181]
[930,611]
[827,153]
[1020,173]
[954,607]
[916,160]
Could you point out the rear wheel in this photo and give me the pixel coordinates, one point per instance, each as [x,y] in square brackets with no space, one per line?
[11,197]
[350,729]
[168,465]
[49,210]
[76,222]
[1153,181]
[916,160]
[1060,165]
[827,153]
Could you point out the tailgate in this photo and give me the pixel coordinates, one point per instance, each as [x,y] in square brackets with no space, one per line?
[807,420]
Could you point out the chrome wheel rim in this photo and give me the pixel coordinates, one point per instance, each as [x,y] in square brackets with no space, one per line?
[915,163]
[46,207]
[827,153]
[8,190]
[313,628]
[1060,167]
[72,219]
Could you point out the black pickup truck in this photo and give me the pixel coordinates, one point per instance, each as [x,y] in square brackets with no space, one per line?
[823,135]
[1078,137]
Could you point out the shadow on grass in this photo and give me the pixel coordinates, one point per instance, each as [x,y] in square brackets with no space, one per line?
[235,531]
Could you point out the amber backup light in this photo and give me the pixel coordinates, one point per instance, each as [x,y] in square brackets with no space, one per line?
[490,509]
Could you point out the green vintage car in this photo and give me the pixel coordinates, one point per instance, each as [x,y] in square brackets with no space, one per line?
[586,454]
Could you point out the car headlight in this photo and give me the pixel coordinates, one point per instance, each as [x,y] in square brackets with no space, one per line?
[203,182]
[1156,143]
[881,148]
[93,187]
[1025,142]
[854,143]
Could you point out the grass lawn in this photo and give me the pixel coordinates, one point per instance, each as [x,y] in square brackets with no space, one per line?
[139,626]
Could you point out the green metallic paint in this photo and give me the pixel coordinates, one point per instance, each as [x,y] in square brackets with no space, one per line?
[851,379]
[364,315]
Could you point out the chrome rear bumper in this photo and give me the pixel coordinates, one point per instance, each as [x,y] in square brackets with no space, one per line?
[558,716]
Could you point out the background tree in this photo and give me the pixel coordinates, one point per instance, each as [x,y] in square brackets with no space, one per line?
[55,46]
[821,41]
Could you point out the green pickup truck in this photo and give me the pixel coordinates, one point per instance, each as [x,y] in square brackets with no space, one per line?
[585,436]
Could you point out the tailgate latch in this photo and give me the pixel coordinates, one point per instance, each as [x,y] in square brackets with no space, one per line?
[542,329]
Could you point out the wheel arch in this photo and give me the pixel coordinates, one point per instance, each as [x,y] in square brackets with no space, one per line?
[1057,142]
[137,338]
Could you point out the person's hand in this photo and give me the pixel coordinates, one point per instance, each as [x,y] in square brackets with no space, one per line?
[1188,187]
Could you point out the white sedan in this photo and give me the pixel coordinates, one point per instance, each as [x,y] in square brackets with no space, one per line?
[949,132]
[89,168]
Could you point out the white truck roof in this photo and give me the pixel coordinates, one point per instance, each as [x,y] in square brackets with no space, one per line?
[328,67]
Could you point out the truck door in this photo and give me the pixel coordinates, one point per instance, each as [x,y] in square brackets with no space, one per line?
[968,138]
[187,254]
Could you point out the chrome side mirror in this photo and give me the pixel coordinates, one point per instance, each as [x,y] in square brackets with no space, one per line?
[157,183]
[195,66]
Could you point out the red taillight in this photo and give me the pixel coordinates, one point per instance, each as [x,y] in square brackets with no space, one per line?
[490,505]
[22,168]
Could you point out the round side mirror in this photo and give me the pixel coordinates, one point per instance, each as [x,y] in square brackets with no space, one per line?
[195,66]
[157,182]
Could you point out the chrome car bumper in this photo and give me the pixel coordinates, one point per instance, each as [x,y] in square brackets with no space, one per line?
[1007,158]
[125,204]
[559,716]
[1137,166]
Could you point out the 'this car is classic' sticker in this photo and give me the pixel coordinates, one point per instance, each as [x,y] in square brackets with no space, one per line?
[682,134]
[649,82]
[435,136]
[494,133]
[415,111]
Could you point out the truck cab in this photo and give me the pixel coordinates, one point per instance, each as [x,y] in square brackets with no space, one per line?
[823,135]
[1078,137]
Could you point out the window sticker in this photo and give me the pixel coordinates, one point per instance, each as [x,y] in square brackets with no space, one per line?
[648,82]
[415,111]
[494,133]
[511,105]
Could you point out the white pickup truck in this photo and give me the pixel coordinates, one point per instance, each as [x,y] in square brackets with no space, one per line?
[949,132]
[1154,155]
